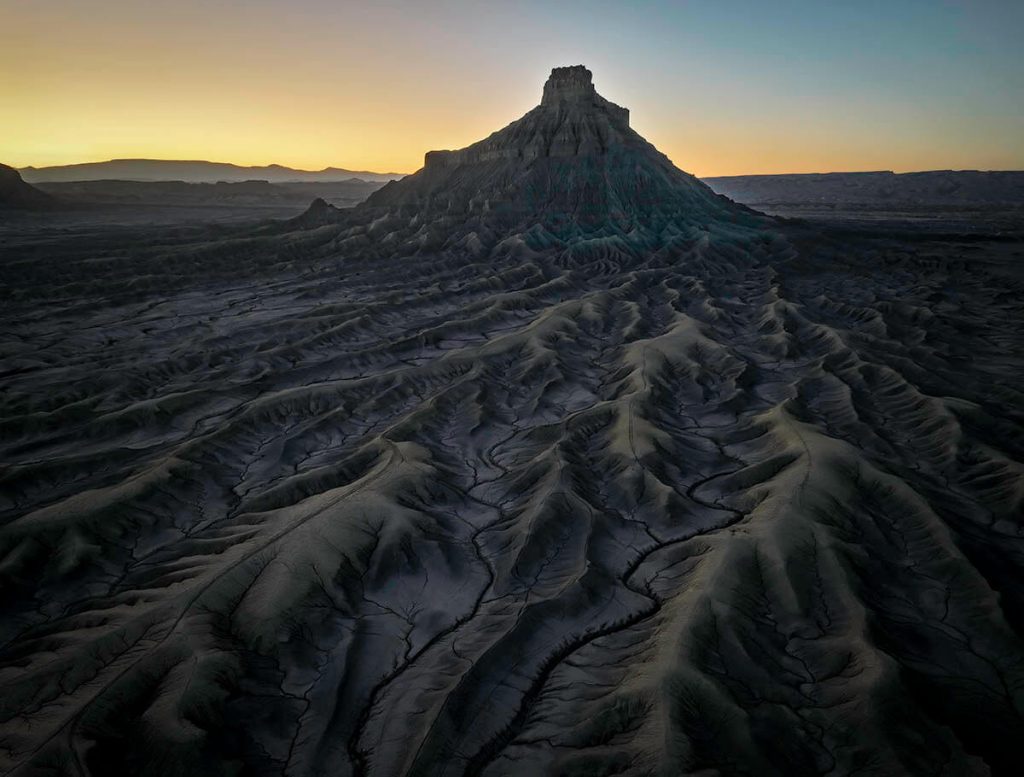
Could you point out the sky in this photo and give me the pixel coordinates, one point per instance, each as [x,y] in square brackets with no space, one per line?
[722,87]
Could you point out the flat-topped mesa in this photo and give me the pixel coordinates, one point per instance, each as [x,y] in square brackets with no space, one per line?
[573,86]
[571,120]
[569,84]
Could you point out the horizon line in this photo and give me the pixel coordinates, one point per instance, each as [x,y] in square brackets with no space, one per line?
[326,168]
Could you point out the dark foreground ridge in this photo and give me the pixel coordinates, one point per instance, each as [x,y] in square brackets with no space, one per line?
[544,460]
[15,194]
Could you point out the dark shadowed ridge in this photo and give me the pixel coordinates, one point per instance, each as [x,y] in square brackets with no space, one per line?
[15,194]
[573,157]
[570,174]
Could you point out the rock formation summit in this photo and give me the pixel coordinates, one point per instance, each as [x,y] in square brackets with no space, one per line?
[543,461]
[573,158]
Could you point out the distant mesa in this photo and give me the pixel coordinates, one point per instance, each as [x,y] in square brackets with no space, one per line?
[319,213]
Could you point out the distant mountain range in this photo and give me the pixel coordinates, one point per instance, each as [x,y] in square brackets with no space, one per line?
[192,172]
[937,187]
[883,188]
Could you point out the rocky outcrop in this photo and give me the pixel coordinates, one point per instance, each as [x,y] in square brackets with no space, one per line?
[571,120]
[569,84]
[15,194]
[527,468]
[318,213]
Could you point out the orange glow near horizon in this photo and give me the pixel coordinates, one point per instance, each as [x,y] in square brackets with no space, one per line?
[315,84]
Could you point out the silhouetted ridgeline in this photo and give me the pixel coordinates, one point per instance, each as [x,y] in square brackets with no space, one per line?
[192,172]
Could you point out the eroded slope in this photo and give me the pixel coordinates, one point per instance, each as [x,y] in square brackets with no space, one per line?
[384,496]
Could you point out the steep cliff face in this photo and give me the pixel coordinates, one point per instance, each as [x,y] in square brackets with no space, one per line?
[15,194]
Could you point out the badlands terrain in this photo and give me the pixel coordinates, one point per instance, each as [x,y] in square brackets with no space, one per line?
[544,460]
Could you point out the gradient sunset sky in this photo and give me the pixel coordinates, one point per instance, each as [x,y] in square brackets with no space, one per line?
[723,87]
